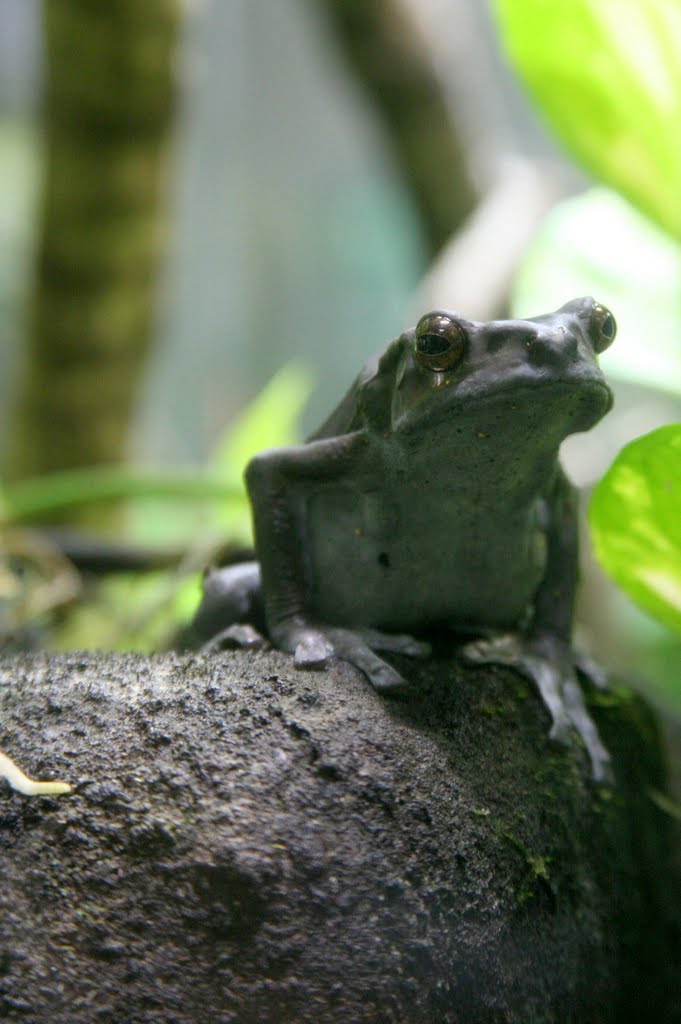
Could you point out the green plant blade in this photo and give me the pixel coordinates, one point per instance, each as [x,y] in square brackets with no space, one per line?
[606,74]
[56,491]
[635,518]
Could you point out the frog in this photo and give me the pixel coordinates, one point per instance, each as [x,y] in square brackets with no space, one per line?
[433,498]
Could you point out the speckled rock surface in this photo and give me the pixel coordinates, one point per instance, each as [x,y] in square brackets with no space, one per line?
[250,843]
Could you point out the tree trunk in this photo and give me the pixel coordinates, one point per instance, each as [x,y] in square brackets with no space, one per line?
[251,843]
[109,97]
[384,47]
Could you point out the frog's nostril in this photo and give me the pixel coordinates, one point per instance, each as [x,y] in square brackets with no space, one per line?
[551,348]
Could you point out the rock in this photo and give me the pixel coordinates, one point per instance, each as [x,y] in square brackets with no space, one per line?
[250,843]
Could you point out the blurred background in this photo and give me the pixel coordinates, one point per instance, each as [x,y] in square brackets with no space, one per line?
[200,200]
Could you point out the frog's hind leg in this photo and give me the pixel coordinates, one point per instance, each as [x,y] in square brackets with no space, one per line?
[510,649]
[553,675]
[230,613]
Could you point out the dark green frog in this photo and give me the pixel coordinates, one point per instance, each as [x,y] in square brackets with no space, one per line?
[433,497]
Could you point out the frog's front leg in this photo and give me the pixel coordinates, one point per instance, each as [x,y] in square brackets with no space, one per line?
[544,653]
[278,482]
[358,646]
[313,644]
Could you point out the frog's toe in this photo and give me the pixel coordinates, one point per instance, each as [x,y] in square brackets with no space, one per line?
[406,644]
[398,643]
[383,677]
[351,645]
[504,649]
[591,671]
[602,771]
[560,730]
[601,765]
[239,634]
[313,651]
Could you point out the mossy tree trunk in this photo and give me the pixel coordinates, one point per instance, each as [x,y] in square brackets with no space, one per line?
[108,108]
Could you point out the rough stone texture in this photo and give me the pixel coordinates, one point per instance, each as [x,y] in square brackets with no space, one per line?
[250,843]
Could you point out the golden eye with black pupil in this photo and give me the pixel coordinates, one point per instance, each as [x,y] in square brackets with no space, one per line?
[603,327]
[439,342]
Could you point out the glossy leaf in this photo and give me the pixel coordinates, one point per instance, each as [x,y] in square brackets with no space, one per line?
[606,74]
[635,518]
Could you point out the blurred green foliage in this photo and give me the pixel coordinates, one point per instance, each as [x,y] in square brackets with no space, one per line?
[196,511]
[18,200]
[607,77]
[54,492]
[636,522]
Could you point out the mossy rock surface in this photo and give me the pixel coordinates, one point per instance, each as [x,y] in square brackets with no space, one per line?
[250,843]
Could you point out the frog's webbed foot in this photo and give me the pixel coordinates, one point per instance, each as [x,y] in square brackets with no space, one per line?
[548,663]
[358,645]
[511,649]
[314,645]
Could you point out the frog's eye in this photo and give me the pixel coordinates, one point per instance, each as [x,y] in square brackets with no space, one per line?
[603,327]
[439,342]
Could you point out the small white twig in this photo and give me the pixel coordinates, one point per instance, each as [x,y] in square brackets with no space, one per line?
[22,784]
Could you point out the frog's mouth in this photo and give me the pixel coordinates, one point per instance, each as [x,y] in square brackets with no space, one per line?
[583,399]
[558,406]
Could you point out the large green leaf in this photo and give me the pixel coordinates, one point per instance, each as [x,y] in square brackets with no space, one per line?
[635,518]
[607,76]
